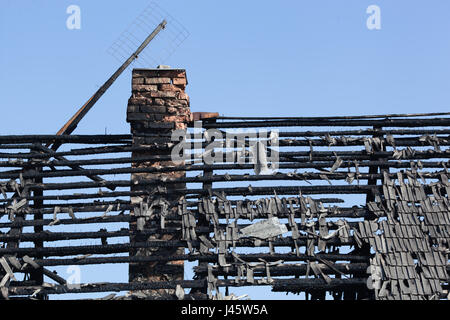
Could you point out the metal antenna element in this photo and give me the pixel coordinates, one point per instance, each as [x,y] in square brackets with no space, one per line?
[70,126]
[168,41]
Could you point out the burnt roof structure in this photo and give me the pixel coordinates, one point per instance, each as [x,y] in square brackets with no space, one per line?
[357,208]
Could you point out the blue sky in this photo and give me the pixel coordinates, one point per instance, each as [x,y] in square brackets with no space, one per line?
[252,58]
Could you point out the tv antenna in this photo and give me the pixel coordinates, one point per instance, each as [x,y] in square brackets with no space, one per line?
[130,46]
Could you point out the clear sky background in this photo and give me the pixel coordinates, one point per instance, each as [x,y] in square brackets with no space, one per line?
[243,58]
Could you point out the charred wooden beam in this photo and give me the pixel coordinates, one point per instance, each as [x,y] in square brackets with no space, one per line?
[46,222]
[382,116]
[212,258]
[277,284]
[84,139]
[60,236]
[337,175]
[412,123]
[194,193]
[288,270]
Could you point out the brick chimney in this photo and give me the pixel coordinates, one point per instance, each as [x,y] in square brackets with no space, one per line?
[157,107]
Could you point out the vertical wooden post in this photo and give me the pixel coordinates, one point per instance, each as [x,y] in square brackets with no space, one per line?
[37,275]
[203,222]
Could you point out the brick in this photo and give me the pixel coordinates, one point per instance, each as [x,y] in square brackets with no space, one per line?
[137,81]
[181,81]
[145,117]
[204,115]
[139,116]
[171,73]
[164,94]
[159,102]
[177,118]
[142,127]
[144,87]
[168,87]
[176,73]
[182,87]
[182,96]
[176,103]
[160,125]
[174,118]
[159,73]
[144,95]
[153,108]
[133,108]
[146,124]
[179,111]
[172,110]
[145,73]
[158,80]
[140,101]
